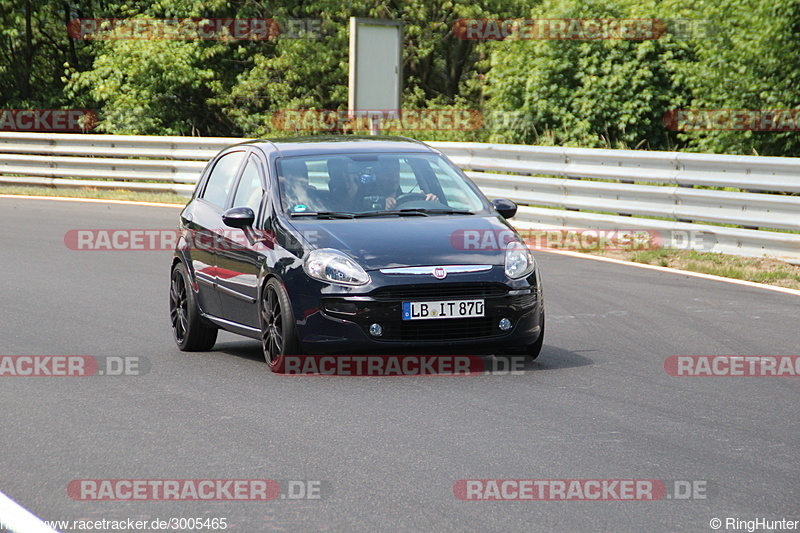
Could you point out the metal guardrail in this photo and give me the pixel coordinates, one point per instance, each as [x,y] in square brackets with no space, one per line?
[555,187]
[646,184]
[143,163]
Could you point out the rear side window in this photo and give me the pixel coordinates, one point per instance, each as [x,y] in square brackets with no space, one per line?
[221,179]
[249,192]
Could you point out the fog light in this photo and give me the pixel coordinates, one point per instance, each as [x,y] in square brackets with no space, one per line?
[505,324]
[376,330]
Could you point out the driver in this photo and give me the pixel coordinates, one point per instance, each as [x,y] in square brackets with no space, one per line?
[388,183]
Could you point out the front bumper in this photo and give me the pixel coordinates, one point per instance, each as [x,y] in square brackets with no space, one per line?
[341,322]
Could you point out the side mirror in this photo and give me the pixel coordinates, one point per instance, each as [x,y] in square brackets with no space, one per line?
[506,208]
[239,217]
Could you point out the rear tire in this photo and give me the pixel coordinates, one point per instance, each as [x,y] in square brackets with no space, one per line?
[188,329]
[278,334]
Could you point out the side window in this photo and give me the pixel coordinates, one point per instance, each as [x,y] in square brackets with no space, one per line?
[249,192]
[221,179]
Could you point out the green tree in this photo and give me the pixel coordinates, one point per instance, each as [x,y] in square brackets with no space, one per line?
[440,70]
[160,86]
[749,61]
[597,93]
[35,50]
[221,88]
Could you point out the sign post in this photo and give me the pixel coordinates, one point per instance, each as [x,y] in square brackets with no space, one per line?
[376,73]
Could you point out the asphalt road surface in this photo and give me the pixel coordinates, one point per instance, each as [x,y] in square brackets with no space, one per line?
[388,451]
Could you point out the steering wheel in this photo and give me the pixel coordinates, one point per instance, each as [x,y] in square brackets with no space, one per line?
[409,197]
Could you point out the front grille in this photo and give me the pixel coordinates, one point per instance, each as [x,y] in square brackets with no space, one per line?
[443,291]
[439,330]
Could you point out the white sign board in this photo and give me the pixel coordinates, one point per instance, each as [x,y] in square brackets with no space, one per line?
[376,51]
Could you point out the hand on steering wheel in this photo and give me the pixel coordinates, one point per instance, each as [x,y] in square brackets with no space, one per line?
[391,202]
[409,197]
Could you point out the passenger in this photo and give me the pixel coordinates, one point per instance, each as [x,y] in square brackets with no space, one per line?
[342,186]
[298,195]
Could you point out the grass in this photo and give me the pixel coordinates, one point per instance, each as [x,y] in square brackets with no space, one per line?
[759,270]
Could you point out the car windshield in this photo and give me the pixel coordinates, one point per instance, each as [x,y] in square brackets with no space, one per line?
[364,185]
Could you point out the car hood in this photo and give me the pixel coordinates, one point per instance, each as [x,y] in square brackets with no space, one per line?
[412,241]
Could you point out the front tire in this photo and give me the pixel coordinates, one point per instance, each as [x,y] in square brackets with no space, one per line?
[188,329]
[278,335]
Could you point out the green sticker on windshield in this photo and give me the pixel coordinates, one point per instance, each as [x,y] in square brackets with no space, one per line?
[299,208]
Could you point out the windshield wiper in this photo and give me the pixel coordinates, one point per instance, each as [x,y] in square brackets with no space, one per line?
[440,211]
[399,213]
[418,212]
[323,214]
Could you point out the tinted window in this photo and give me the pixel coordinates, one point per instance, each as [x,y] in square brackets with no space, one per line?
[299,181]
[221,179]
[249,192]
[363,182]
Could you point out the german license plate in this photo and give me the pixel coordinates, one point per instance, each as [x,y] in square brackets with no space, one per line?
[442,309]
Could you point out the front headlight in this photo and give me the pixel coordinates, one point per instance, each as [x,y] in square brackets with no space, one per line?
[333,266]
[519,260]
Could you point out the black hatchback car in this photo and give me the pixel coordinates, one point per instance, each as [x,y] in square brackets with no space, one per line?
[339,245]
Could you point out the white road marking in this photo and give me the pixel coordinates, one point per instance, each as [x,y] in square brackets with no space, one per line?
[16,518]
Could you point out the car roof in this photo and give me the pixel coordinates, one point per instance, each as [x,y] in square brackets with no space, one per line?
[330,144]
